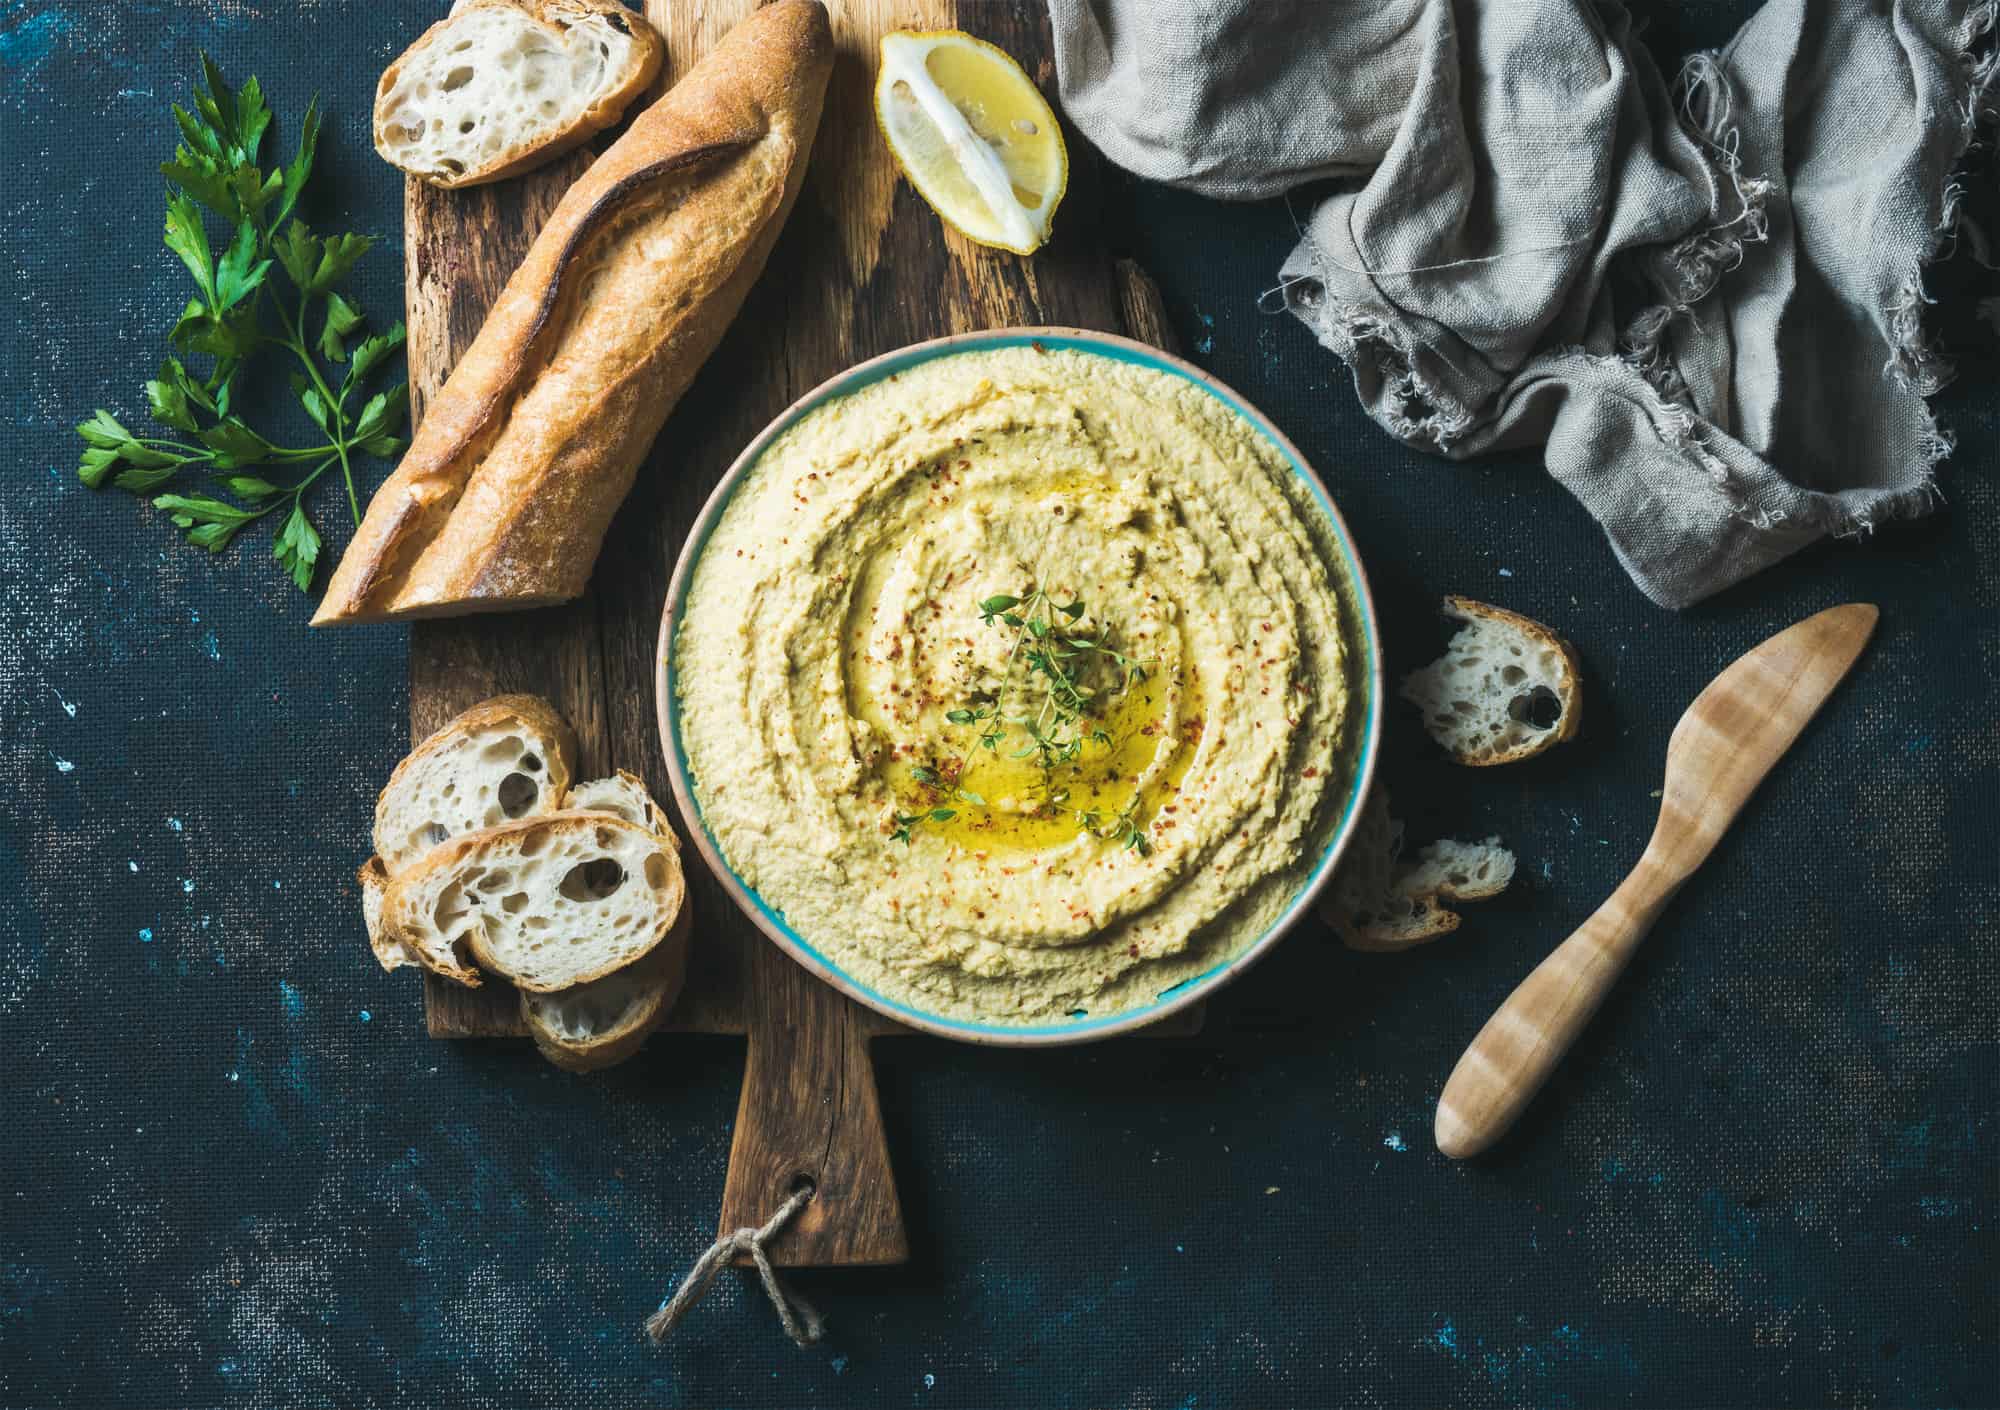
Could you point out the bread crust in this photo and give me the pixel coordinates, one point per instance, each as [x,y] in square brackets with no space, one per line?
[373,878]
[530,711]
[595,118]
[505,494]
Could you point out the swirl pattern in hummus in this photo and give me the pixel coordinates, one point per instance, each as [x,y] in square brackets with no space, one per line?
[833,622]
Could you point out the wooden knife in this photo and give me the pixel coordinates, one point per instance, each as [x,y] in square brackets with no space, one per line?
[1719,752]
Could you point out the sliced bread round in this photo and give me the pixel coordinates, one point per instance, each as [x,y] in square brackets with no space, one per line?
[1505,689]
[548,903]
[509,757]
[501,86]
[593,1026]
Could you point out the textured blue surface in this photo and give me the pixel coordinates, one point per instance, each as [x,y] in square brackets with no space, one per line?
[235,1172]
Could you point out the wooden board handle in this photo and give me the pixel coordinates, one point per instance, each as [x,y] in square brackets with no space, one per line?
[1521,1044]
[809,1112]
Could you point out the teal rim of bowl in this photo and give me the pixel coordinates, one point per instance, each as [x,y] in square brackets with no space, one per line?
[889,365]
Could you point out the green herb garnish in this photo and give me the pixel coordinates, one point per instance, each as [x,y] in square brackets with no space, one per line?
[1052,646]
[218,168]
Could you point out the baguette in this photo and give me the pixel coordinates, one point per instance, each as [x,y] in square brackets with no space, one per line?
[504,497]
[500,86]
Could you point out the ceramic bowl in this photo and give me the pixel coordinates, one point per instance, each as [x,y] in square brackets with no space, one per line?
[1365,685]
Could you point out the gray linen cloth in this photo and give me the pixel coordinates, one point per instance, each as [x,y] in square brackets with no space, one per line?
[1704,301]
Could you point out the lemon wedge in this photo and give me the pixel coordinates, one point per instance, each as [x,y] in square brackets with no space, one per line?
[973,134]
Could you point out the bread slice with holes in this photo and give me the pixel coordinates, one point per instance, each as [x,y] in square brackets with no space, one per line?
[500,86]
[506,758]
[1379,903]
[548,903]
[622,795]
[592,1026]
[1505,689]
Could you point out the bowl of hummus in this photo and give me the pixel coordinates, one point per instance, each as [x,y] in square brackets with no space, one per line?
[1023,685]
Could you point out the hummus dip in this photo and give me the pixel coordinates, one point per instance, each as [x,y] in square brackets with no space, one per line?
[1018,684]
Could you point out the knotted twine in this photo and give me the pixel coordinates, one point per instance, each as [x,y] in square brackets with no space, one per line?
[801,1322]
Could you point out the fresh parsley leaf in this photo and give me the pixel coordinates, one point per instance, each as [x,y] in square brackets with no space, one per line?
[240,272]
[371,351]
[186,238]
[235,444]
[299,168]
[337,255]
[95,465]
[298,251]
[197,175]
[168,400]
[250,487]
[384,412]
[342,318]
[174,371]
[313,402]
[252,117]
[297,547]
[102,430]
[208,523]
[384,447]
[218,105]
[205,145]
[141,479]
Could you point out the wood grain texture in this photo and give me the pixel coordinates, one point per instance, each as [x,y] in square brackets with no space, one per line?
[863,267]
[1729,739]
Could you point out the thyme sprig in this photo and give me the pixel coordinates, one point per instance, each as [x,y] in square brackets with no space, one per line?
[1051,650]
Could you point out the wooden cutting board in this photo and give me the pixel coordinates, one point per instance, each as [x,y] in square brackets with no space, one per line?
[863,267]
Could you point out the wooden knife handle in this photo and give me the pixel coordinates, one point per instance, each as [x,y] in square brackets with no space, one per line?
[1522,1043]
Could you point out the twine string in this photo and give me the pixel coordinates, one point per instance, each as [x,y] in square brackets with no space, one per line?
[801,1322]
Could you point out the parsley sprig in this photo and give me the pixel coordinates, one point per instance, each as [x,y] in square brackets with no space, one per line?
[238,312]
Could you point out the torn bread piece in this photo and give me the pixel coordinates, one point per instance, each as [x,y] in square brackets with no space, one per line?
[548,903]
[1505,689]
[506,758]
[622,795]
[500,86]
[592,1026]
[1377,902]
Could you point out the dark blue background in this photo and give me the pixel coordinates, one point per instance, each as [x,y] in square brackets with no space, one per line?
[233,1171]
